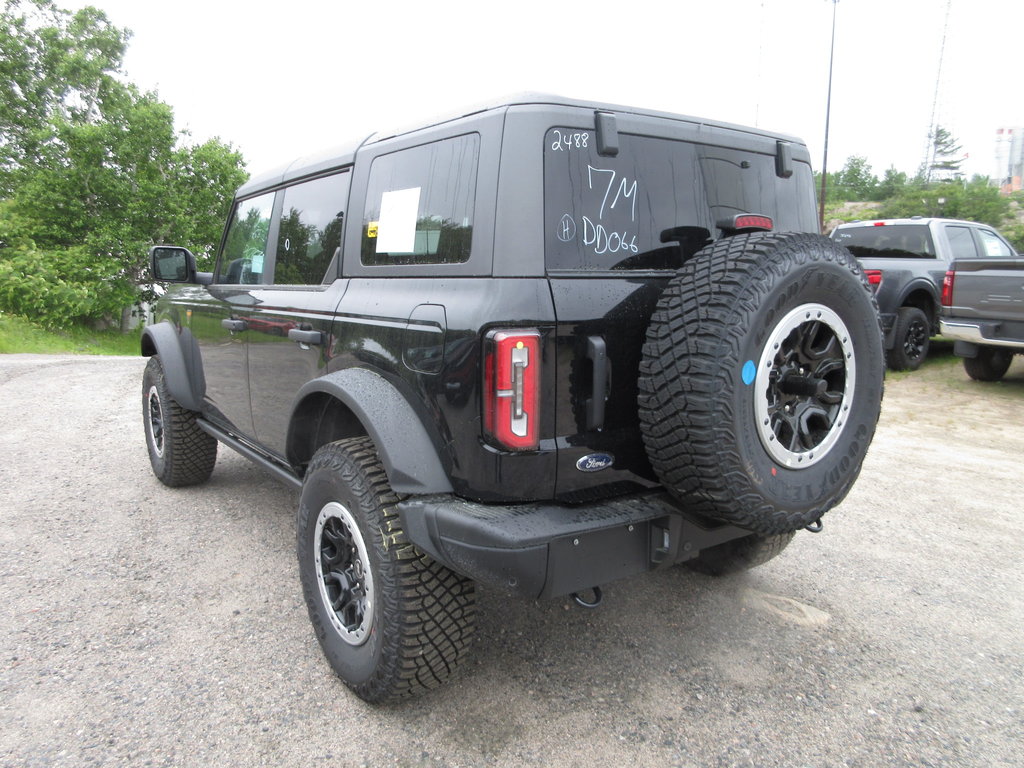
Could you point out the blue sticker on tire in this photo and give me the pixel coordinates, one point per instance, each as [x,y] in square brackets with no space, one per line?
[749,372]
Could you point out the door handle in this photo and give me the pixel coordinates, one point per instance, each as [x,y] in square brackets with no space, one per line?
[315,338]
[233,325]
[598,354]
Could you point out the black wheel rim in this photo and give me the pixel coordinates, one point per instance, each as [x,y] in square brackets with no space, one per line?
[915,341]
[804,386]
[343,573]
[155,418]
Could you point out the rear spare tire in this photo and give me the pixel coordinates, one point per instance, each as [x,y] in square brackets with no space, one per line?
[761,380]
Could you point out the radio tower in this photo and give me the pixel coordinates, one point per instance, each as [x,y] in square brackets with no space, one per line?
[929,147]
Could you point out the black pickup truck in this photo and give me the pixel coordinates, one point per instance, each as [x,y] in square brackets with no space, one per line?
[539,345]
[906,261]
[983,311]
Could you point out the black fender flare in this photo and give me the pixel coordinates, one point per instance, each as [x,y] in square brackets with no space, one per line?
[179,356]
[403,444]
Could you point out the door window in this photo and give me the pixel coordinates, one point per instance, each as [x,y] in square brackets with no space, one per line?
[961,242]
[309,237]
[993,245]
[241,262]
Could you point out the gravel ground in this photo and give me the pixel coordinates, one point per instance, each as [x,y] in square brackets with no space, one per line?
[148,626]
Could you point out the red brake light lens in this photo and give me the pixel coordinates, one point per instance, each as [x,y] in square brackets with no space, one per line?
[874,277]
[511,388]
[947,289]
[878,224]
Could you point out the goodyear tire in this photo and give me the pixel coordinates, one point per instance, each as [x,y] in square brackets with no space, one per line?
[179,451]
[390,621]
[761,380]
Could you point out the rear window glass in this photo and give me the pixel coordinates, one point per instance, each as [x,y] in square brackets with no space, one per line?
[658,200]
[898,241]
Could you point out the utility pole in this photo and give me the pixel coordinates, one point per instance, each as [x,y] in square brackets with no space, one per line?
[828,113]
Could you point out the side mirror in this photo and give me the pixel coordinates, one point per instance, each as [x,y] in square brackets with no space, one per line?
[172,264]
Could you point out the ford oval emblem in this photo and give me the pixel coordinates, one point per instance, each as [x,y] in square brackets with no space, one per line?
[595,462]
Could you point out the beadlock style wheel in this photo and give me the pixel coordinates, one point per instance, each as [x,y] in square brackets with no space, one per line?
[804,386]
[761,380]
[343,573]
[155,420]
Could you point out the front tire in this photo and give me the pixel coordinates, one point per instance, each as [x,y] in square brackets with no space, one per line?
[391,621]
[179,451]
[761,380]
[990,364]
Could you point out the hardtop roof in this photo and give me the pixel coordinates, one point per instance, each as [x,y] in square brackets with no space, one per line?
[344,154]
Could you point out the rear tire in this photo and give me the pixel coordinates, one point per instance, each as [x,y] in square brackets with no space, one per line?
[739,554]
[391,621]
[913,338]
[179,451]
[761,380]
[990,364]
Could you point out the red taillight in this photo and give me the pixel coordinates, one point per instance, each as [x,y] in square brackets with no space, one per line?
[878,224]
[511,392]
[874,277]
[947,289]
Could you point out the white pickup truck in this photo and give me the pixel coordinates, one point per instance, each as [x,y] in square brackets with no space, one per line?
[983,311]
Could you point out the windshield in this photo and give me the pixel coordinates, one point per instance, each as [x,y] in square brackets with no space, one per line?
[892,240]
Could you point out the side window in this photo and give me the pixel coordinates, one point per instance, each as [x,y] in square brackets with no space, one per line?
[993,245]
[961,242]
[309,237]
[241,262]
[419,204]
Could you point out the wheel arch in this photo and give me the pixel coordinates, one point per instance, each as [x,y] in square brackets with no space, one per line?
[179,356]
[356,402]
[922,296]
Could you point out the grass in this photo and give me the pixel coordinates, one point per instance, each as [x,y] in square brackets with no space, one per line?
[20,335]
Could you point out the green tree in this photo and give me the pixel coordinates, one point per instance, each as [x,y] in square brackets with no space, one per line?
[855,181]
[892,184]
[976,200]
[945,156]
[52,64]
[99,180]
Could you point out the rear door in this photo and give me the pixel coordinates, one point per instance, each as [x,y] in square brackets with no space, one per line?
[617,226]
[290,318]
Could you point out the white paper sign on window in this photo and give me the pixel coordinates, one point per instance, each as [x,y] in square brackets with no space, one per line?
[396,231]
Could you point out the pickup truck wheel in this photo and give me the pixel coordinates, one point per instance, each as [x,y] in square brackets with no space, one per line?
[739,554]
[179,451]
[761,380]
[390,621]
[913,334]
[990,364]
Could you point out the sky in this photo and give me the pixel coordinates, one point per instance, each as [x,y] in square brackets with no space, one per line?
[281,80]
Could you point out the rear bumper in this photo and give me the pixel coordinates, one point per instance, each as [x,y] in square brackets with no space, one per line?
[547,550]
[989,334]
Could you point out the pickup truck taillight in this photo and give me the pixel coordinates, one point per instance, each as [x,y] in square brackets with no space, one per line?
[511,388]
[874,277]
[947,289]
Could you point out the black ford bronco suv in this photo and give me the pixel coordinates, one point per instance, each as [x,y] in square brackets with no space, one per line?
[541,345]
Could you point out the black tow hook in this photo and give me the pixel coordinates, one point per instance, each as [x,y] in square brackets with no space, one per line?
[593,603]
[816,527]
